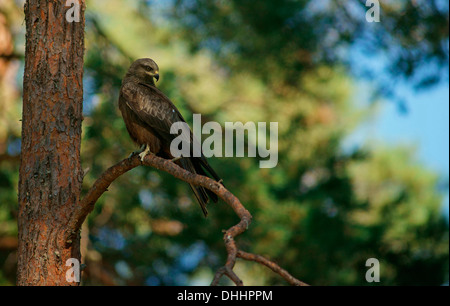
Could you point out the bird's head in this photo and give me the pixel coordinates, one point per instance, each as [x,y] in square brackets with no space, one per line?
[145,69]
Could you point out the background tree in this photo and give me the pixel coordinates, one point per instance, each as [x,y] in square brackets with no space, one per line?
[323,210]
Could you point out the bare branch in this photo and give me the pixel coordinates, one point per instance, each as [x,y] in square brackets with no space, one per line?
[100,186]
[104,181]
[8,243]
[271,265]
[9,158]
[12,56]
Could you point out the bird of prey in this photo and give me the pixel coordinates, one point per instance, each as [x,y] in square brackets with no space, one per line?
[148,114]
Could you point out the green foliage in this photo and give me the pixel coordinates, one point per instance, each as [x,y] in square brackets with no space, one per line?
[321,213]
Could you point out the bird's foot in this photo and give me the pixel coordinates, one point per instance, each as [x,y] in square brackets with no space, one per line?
[144,153]
[137,151]
[176,158]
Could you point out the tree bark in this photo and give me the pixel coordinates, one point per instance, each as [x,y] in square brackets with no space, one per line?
[50,170]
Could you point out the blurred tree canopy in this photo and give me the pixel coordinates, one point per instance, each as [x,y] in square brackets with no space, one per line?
[321,213]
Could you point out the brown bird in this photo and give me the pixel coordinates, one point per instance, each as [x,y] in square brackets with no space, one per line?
[148,114]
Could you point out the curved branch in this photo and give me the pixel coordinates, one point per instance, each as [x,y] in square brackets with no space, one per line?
[271,265]
[101,185]
[104,181]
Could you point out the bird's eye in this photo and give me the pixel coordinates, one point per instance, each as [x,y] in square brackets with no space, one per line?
[148,68]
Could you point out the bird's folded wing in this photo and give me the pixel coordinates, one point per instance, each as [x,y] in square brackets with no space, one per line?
[157,111]
[153,108]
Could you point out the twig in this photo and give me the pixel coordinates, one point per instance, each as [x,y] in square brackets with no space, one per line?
[104,181]
[9,158]
[271,265]
[12,56]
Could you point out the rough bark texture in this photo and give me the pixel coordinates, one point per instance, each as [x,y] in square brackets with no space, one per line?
[50,171]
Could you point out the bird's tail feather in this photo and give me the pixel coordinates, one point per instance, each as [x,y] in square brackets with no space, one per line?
[201,196]
[200,193]
[199,170]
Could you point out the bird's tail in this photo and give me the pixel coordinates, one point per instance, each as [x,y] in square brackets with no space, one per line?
[202,194]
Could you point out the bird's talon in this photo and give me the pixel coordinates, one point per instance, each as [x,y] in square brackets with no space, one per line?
[144,153]
[176,158]
[137,151]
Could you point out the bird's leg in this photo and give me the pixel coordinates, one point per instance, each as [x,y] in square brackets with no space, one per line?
[137,151]
[144,153]
[176,158]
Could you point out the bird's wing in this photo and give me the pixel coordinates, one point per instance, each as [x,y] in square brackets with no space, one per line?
[152,107]
[157,111]
[202,159]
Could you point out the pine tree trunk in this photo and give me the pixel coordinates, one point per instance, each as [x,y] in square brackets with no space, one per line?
[50,170]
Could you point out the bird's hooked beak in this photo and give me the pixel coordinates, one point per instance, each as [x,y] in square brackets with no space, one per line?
[156,76]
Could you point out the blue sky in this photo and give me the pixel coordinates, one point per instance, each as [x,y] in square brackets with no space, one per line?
[425,126]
